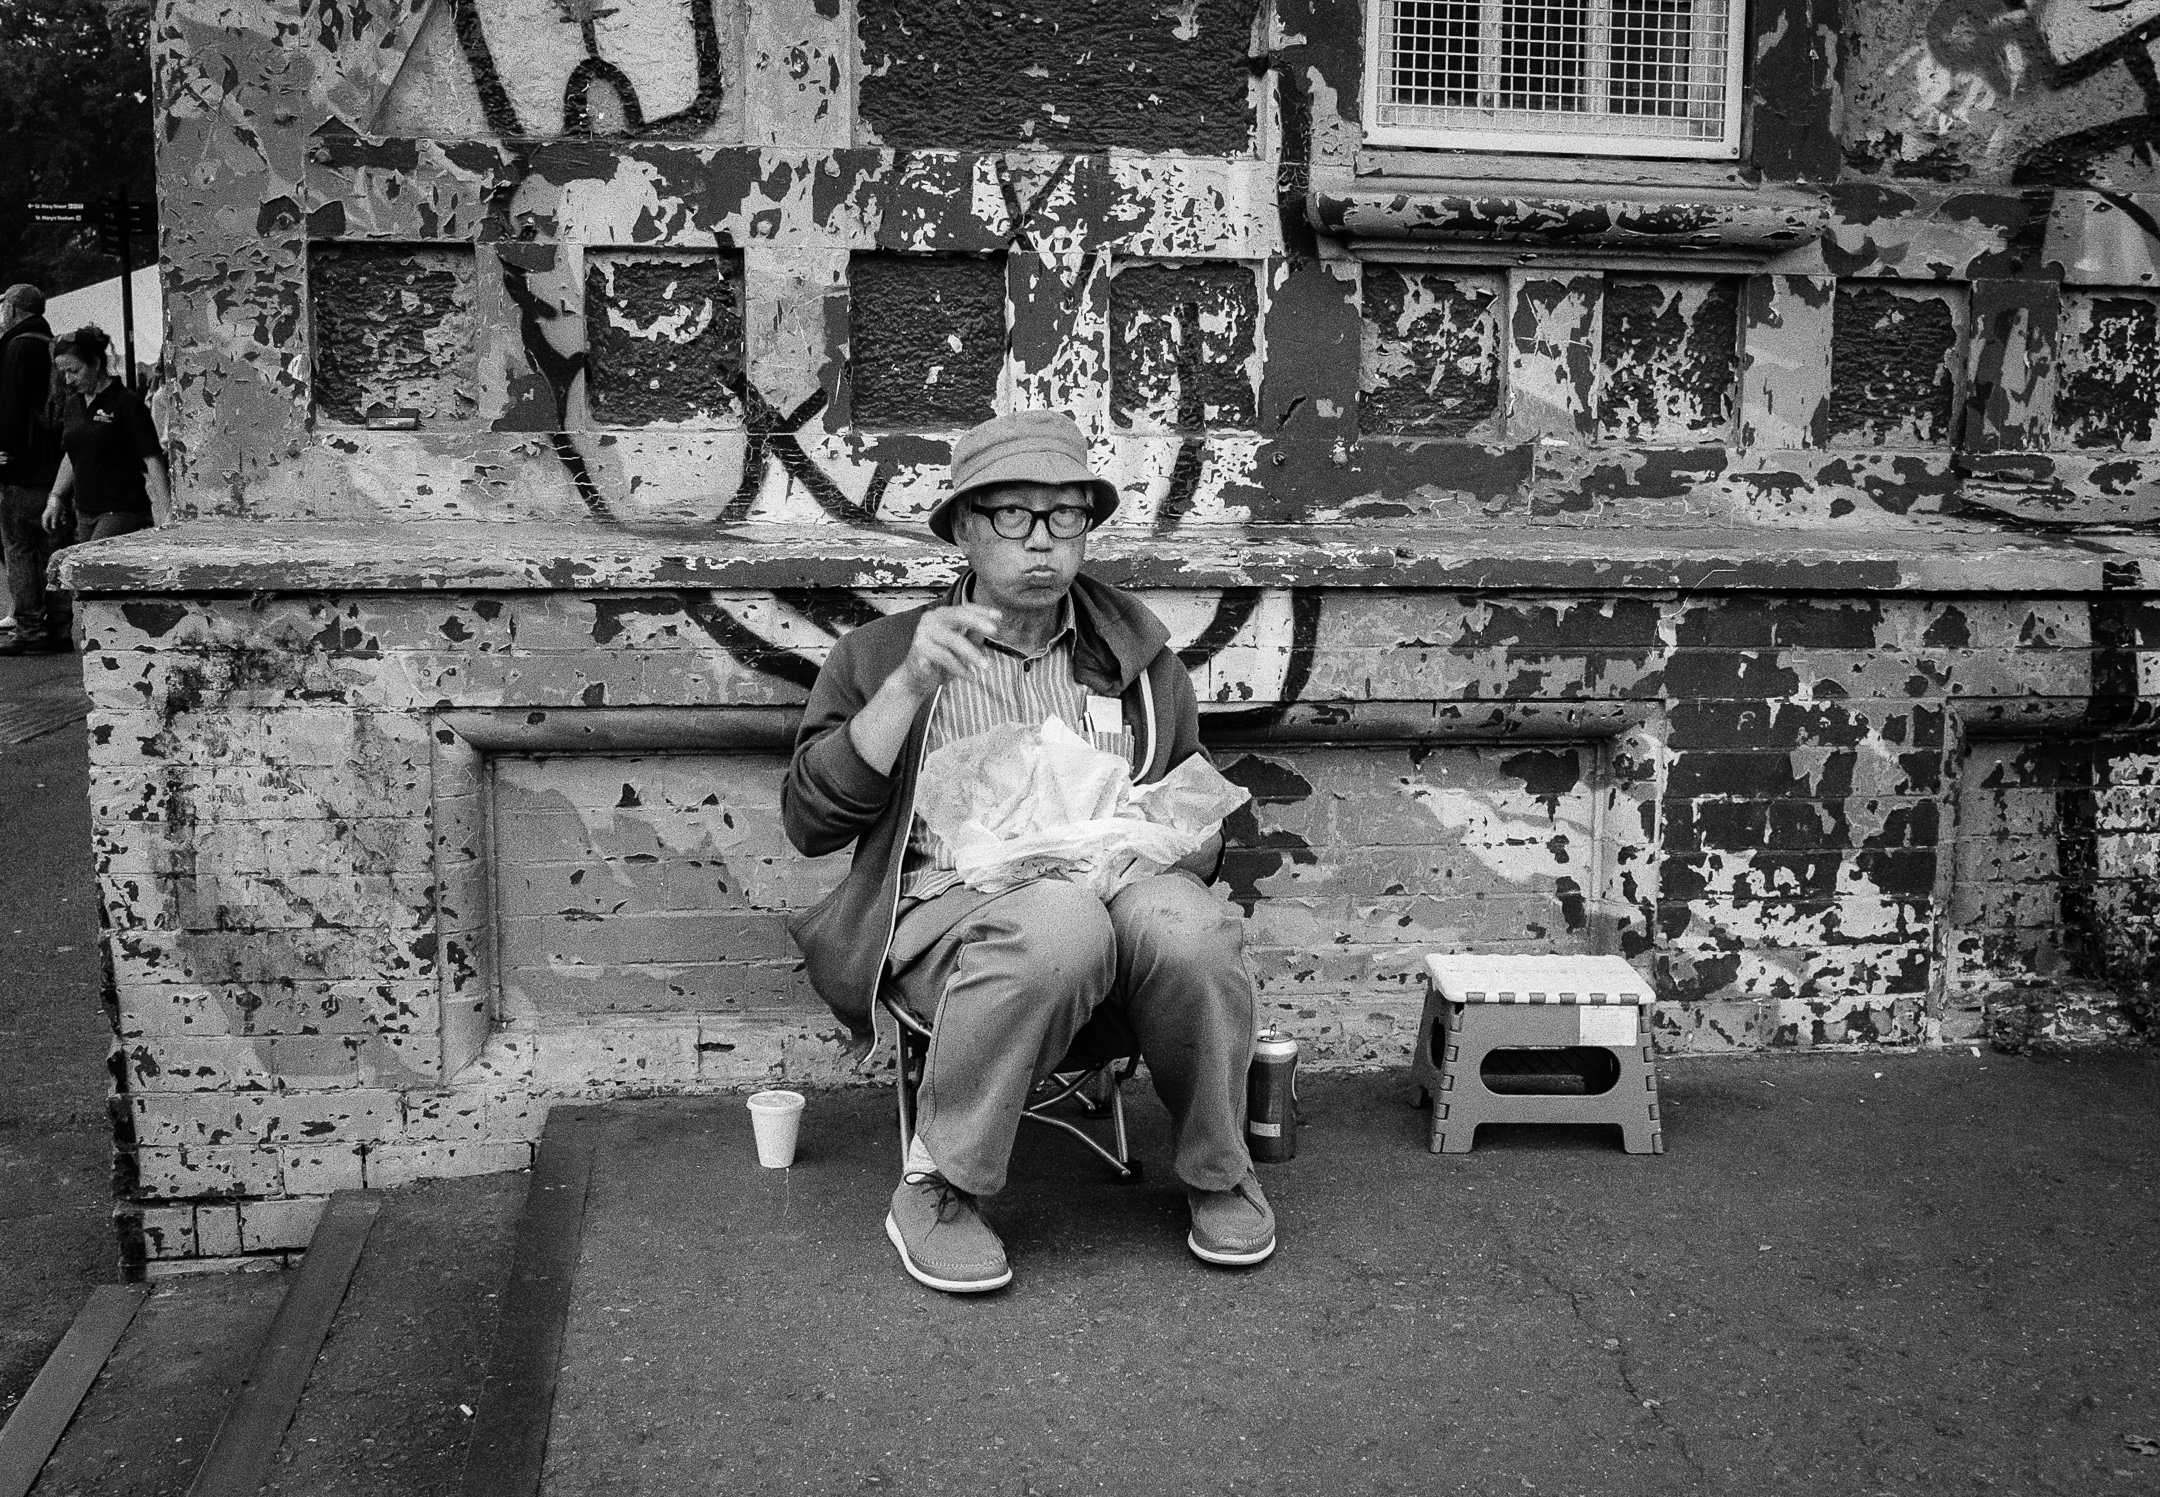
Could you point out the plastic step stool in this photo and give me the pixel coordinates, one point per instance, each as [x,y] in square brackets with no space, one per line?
[1475,1005]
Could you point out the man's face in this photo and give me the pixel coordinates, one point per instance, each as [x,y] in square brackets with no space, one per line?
[11,312]
[1027,572]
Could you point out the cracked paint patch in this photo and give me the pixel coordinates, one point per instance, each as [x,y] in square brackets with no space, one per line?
[2108,391]
[664,338]
[1131,74]
[1184,345]
[394,333]
[927,339]
[1430,353]
[1669,359]
[1895,366]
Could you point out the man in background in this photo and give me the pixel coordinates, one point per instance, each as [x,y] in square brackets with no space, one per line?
[29,460]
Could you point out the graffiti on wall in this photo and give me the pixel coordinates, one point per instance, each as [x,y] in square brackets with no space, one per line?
[2055,94]
[1139,285]
[1745,794]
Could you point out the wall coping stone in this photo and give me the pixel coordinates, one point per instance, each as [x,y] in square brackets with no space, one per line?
[1759,219]
[247,556]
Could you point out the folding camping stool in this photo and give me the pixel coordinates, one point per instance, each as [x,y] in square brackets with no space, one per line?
[1092,1080]
[1535,1039]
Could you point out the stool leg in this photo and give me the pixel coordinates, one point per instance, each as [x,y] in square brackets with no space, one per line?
[904,1080]
[1451,1136]
[1644,1135]
[1452,1131]
[1455,1120]
[1431,1086]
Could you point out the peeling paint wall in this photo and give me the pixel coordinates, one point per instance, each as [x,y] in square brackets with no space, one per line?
[1101,152]
[1182,347]
[1894,368]
[1740,566]
[1670,360]
[1088,77]
[928,340]
[1431,352]
[664,339]
[393,334]
[2108,388]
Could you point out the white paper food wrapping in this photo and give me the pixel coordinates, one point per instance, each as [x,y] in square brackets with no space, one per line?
[1018,802]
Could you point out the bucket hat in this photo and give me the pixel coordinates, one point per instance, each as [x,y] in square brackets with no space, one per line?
[1024,447]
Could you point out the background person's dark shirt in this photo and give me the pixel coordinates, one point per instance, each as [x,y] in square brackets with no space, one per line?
[32,446]
[107,438]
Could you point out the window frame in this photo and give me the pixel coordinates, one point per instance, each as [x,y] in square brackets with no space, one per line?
[1726,147]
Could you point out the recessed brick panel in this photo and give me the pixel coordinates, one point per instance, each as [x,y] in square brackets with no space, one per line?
[664,338]
[394,333]
[1430,361]
[927,336]
[1669,364]
[1137,74]
[654,884]
[1181,346]
[2108,390]
[1894,365]
[1353,863]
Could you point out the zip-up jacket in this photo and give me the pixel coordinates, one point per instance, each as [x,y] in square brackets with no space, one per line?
[833,797]
[30,441]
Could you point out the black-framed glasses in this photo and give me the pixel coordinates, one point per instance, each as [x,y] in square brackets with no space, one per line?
[1016,522]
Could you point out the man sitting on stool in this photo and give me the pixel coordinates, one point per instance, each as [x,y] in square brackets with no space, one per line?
[1010,980]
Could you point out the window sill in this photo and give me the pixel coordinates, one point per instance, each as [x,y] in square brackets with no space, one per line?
[1648,206]
[1523,168]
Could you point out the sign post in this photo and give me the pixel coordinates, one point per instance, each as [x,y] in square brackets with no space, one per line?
[117,220]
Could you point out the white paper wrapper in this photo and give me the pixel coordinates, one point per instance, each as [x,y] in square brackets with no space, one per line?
[1018,802]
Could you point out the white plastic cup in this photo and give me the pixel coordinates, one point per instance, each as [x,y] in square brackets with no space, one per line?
[775,1117]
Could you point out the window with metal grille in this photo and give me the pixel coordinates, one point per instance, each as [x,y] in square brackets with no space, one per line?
[1591,77]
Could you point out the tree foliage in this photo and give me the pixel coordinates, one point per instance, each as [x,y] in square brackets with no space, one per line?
[75,125]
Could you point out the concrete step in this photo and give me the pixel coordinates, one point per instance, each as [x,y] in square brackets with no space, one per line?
[383,1411]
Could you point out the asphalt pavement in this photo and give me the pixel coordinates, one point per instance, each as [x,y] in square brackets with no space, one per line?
[56,1237]
[1850,1273]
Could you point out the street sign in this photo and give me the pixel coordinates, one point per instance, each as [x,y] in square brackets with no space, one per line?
[118,219]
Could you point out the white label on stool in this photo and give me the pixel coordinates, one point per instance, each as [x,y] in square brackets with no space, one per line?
[1264,1130]
[1606,1024]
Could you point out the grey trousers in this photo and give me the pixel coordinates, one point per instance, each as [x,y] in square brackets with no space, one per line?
[1048,968]
[40,612]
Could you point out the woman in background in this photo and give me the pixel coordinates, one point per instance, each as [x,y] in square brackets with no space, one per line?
[113,476]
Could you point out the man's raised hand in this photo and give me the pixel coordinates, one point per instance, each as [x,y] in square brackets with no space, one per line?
[947,647]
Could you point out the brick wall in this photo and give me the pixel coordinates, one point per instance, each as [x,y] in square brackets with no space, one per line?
[1739,566]
[1810,820]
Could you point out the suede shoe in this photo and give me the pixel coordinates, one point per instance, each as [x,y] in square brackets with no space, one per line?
[43,644]
[1235,1227]
[942,1238]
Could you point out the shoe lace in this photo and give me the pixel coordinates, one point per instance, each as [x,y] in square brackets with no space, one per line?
[951,1199]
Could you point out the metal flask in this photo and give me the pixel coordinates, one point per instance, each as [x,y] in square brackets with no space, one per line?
[1271,1099]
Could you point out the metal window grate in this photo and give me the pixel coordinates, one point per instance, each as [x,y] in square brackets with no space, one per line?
[1625,70]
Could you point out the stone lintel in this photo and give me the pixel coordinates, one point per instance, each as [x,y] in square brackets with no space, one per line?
[229,557]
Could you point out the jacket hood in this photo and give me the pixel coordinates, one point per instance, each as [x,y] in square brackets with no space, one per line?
[1115,636]
[34,323]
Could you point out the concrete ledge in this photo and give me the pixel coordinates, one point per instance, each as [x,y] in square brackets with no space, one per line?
[1759,220]
[239,557]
